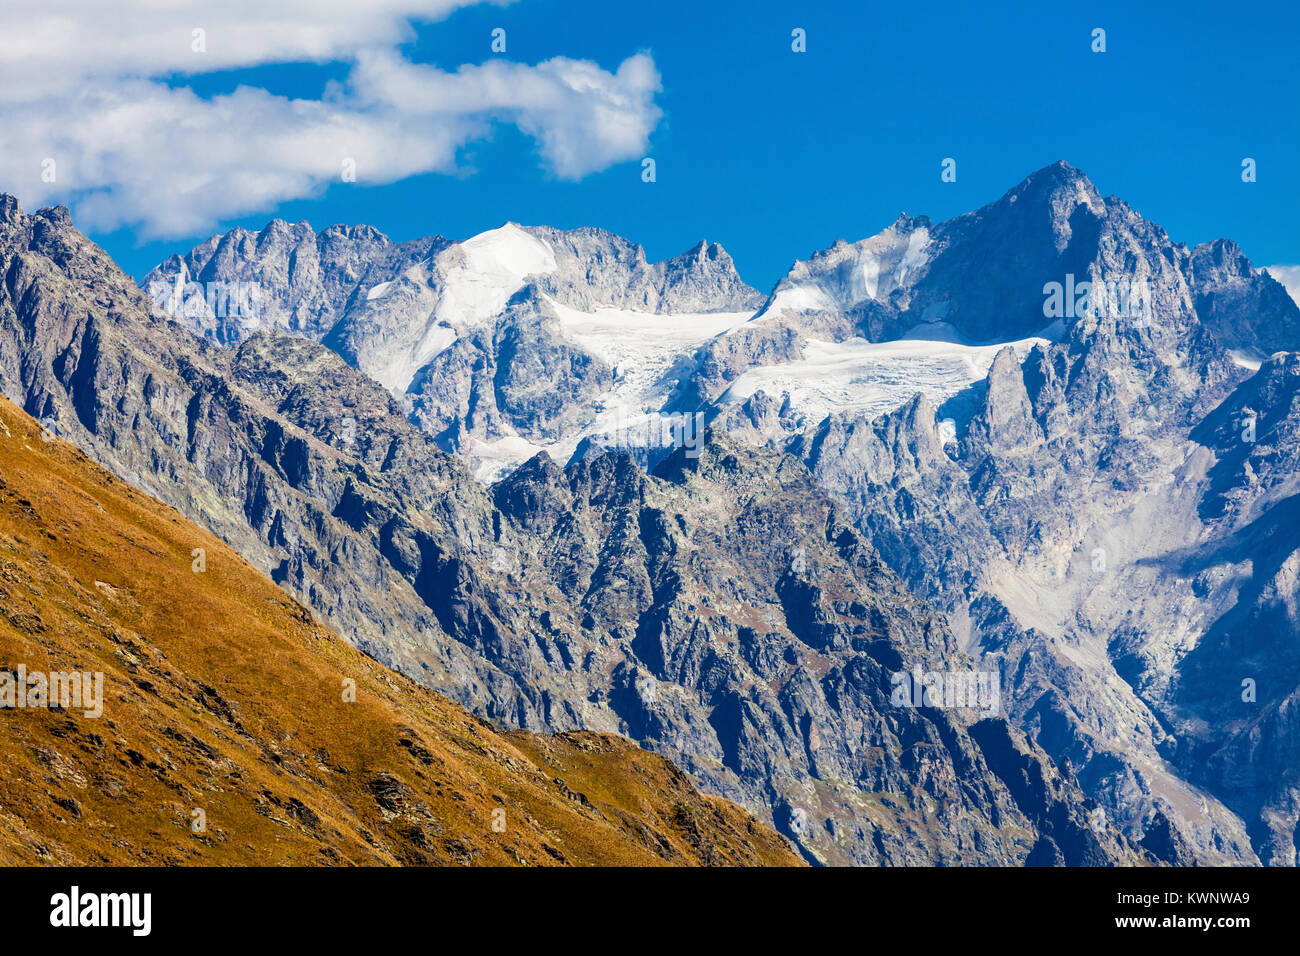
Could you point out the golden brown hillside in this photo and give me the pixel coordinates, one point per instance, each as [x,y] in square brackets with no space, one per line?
[228,735]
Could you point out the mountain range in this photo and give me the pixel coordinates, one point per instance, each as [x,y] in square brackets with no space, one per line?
[571,489]
[231,729]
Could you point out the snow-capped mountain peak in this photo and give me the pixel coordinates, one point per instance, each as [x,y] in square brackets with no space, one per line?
[848,274]
[483,272]
[424,311]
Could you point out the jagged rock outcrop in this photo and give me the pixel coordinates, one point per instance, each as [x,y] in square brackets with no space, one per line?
[301,281]
[596,269]
[1096,523]
[1236,302]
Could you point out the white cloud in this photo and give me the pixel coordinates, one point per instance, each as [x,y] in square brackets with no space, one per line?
[583,118]
[57,45]
[1289,276]
[87,89]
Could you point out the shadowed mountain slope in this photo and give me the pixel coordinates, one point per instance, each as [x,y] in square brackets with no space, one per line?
[225,703]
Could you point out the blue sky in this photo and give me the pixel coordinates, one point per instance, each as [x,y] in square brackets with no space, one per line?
[776,154]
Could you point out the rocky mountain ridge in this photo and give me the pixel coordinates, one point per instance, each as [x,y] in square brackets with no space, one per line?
[720,611]
[1066,511]
[230,729]
[477,338]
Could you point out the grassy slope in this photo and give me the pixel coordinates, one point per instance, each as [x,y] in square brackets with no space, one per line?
[223,695]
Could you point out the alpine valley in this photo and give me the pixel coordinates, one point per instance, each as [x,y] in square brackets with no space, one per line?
[574,490]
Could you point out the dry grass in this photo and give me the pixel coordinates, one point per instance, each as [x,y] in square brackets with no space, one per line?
[223,695]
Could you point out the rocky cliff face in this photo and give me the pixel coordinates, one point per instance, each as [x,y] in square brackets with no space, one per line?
[597,269]
[721,611]
[1099,520]
[301,281]
[228,728]
[764,638]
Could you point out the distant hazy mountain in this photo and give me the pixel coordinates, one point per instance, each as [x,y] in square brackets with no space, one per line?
[305,280]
